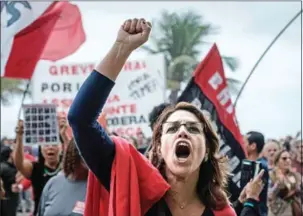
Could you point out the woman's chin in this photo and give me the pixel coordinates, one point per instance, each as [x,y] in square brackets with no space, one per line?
[179,170]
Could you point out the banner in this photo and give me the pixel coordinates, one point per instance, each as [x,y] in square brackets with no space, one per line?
[139,87]
[208,90]
[40,124]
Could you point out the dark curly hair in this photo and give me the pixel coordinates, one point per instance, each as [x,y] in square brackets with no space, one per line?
[71,158]
[213,172]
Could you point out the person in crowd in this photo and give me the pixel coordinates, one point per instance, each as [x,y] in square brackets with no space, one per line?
[141,139]
[23,187]
[39,172]
[254,142]
[270,150]
[132,140]
[5,141]
[153,117]
[8,173]
[2,197]
[155,114]
[183,176]
[65,193]
[285,193]
[297,150]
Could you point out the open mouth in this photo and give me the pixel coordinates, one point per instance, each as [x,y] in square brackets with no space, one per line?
[182,150]
[50,154]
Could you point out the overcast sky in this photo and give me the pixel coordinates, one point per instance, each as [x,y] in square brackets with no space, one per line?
[271,102]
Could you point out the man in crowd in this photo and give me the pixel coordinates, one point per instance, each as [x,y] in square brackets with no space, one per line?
[153,117]
[8,173]
[254,143]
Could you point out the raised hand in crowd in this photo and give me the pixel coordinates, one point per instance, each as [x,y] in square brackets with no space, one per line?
[248,201]
[38,172]
[132,34]
[253,189]
[19,129]
[63,125]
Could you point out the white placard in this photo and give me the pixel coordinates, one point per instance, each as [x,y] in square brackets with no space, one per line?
[139,87]
[40,124]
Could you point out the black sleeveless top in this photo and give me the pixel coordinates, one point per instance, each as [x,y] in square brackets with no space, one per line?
[154,210]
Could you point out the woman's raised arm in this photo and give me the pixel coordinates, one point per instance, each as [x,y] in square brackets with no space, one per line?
[94,144]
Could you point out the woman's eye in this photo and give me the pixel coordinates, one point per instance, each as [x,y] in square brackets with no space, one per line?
[171,129]
[194,129]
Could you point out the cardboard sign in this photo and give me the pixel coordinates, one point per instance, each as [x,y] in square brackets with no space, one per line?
[40,124]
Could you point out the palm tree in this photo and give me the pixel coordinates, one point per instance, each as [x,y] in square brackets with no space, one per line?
[10,88]
[178,37]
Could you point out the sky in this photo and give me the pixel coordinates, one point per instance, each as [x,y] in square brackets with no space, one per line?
[271,101]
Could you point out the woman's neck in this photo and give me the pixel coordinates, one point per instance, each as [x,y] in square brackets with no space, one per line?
[183,189]
[52,165]
[284,171]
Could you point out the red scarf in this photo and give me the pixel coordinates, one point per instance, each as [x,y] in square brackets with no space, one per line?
[136,185]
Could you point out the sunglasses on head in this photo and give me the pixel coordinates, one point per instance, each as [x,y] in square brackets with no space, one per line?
[191,127]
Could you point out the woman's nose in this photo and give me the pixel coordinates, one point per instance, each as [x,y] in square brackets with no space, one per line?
[182,132]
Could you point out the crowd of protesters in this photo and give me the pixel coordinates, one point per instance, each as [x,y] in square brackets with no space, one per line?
[49,181]
[57,177]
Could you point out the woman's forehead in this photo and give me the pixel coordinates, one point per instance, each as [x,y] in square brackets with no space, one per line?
[284,154]
[182,115]
[271,145]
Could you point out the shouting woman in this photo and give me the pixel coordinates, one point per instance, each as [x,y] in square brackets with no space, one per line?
[183,176]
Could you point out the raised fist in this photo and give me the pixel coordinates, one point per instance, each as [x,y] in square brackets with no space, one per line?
[19,129]
[133,33]
[62,124]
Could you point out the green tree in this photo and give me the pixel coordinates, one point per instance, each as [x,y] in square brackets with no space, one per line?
[10,88]
[179,37]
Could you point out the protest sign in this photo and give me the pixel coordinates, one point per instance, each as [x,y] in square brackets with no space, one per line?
[139,87]
[40,124]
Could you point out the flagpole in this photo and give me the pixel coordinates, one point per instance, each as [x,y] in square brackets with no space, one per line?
[23,98]
[264,53]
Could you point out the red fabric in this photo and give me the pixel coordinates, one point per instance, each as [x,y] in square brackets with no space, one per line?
[26,183]
[56,34]
[29,157]
[135,185]
[227,211]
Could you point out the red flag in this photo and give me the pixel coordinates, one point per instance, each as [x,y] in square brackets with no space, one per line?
[57,33]
[208,90]
[210,77]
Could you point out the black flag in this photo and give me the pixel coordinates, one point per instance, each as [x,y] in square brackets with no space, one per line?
[208,91]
